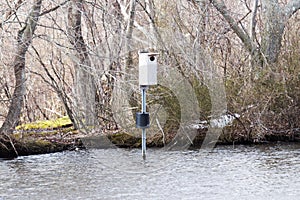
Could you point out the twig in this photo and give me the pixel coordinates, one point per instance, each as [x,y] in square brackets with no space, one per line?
[3,144]
[162,131]
[12,144]
[54,8]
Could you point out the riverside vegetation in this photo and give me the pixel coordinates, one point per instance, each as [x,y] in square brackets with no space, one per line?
[68,57]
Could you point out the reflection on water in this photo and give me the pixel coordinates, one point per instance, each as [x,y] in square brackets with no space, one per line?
[243,172]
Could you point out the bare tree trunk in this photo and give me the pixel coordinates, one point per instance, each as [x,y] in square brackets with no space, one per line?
[85,89]
[252,33]
[275,18]
[129,31]
[129,68]
[274,28]
[24,40]
[244,37]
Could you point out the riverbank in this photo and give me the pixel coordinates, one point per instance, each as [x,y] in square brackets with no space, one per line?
[12,146]
[63,139]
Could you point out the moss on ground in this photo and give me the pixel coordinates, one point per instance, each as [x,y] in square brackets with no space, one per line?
[46,124]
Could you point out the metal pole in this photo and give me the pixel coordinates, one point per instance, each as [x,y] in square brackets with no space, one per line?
[143,99]
[143,129]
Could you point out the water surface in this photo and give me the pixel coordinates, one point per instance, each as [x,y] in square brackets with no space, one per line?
[240,172]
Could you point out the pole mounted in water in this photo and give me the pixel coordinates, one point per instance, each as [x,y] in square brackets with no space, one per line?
[147,77]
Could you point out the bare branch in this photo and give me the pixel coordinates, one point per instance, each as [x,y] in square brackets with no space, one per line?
[54,8]
[291,8]
[11,12]
[253,20]
[126,17]
[221,7]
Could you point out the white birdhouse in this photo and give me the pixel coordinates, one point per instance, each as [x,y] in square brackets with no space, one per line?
[147,69]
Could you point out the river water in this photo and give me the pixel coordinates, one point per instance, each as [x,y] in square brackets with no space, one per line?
[240,172]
